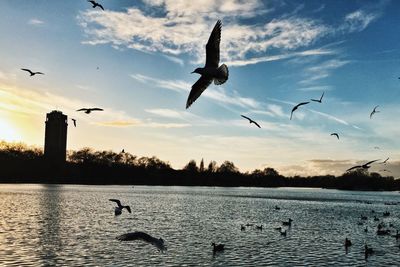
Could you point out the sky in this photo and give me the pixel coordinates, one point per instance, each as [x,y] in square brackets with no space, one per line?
[135,60]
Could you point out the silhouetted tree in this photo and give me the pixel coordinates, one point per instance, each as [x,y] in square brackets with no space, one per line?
[201,168]
[227,167]
[212,166]
[191,166]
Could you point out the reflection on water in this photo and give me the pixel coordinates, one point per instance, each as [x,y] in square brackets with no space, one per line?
[75,226]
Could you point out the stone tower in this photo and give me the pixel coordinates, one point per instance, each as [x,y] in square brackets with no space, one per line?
[55,141]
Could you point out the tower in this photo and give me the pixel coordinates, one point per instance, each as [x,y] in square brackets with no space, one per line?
[55,141]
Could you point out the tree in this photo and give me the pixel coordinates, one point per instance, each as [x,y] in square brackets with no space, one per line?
[228,167]
[212,166]
[191,166]
[201,168]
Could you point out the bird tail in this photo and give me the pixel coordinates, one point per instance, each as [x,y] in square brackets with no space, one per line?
[223,75]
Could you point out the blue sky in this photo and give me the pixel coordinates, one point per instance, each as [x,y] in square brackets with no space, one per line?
[279,53]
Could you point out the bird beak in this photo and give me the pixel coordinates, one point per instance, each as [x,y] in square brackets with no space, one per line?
[192,72]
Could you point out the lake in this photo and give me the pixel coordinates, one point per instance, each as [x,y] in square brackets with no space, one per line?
[75,225]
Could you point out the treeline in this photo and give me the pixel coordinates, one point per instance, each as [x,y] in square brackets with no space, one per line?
[23,164]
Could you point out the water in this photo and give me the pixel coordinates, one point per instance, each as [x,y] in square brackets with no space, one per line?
[75,226]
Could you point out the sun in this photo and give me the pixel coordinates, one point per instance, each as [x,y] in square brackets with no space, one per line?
[7,131]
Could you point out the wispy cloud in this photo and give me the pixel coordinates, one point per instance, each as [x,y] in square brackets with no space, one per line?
[118,123]
[35,21]
[323,70]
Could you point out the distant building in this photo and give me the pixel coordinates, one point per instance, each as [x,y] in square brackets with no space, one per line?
[55,141]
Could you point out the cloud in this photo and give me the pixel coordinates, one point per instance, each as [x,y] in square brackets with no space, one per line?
[358,20]
[323,70]
[167,113]
[35,21]
[118,123]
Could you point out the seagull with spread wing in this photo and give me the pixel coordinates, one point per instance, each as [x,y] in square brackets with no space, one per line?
[74,121]
[95,4]
[364,166]
[296,107]
[33,73]
[384,162]
[211,72]
[319,100]
[335,134]
[251,121]
[89,110]
[157,242]
[118,210]
[373,112]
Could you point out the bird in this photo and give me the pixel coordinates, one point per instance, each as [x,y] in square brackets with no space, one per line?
[277,208]
[251,121]
[384,162]
[211,72]
[118,210]
[33,73]
[259,227]
[242,227]
[219,247]
[373,112]
[347,242]
[368,251]
[123,151]
[89,110]
[74,121]
[296,107]
[397,235]
[335,134]
[288,223]
[320,100]
[95,4]
[157,242]
[364,166]
[284,233]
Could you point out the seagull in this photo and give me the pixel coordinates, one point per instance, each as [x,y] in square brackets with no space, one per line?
[335,134]
[211,72]
[118,210]
[288,223]
[88,110]
[384,162]
[74,121]
[123,151]
[96,4]
[219,247]
[320,100]
[347,242]
[251,121]
[33,73]
[365,166]
[296,107]
[373,112]
[157,242]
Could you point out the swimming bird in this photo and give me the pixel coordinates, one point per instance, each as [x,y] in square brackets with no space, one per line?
[384,162]
[74,121]
[277,208]
[368,251]
[157,242]
[335,134]
[278,228]
[242,227]
[118,210]
[296,107]
[288,223]
[386,214]
[259,227]
[89,110]
[364,166]
[320,100]
[219,247]
[251,121]
[211,72]
[397,235]
[373,112]
[284,233]
[95,4]
[33,73]
[347,242]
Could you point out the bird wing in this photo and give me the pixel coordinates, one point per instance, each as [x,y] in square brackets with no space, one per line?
[316,100]
[93,2]
[352,168]
[197,89]
[246,117]
[94,109]
[128,208]
[116,201]
[212,47]
[38,72]
[256,124]
[368,163]
[28,70]
[302,103]
[82,109]
[322,96]
[100,6]
[335,134]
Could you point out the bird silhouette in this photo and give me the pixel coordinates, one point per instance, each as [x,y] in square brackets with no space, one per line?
[123,151]
[89,110]
[319,100]
[157,242]
[373,112]
[211,72]
[384,162]
[296,107]
[33,73]
[251,121]
[219,247]
[95,4]
[118,210]
[74,121]
[335,134]
[364,166]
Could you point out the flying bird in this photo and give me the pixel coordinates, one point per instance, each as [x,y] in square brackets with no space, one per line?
[89,110]
[33,73]
[74,121]
[95,4]
[211,72]
[373,112]
[335,134]
[296,107]
[251,121]
[157,242]
[384,162]
[118,210]
[320,100]
[364,166]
